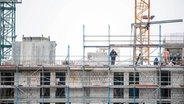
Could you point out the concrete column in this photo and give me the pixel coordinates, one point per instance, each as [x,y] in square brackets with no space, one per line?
[126,83]
[52,83]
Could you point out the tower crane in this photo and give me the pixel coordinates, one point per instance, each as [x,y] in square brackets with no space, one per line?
[7,27]
[142,32]
[141,24]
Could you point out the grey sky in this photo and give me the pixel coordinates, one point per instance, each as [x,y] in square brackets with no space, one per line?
[62,20]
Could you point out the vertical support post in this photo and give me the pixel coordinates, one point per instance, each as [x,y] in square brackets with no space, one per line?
[68,55]
[42,74]
[135,21]
[134,59]
[83,61]
[109,90]
[160,63]
[148,51]
[160,45]
[68,71]
[134,47]
[141,48]
[17,82]
[109,48]
[68,95]
[134,43]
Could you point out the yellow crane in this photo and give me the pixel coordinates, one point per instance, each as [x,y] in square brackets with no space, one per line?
[142,32]
[141,24]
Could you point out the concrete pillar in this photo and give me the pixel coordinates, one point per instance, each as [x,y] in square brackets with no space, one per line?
[126,83]
[52,83]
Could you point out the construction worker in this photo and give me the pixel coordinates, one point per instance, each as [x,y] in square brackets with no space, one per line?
[166,56]
[113,55]
[155,61]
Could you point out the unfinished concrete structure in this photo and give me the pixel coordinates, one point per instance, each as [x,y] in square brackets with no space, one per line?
[31,50]
[92,80]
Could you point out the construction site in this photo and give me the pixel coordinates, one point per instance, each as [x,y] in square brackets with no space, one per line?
[31,73]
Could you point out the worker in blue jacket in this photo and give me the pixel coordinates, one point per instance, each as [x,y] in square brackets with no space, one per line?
[113,55]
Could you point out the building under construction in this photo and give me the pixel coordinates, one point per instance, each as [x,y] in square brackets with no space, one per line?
[32,74]
[38,78]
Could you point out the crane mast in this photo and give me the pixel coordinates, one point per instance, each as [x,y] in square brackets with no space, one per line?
[7,28]
[142,32]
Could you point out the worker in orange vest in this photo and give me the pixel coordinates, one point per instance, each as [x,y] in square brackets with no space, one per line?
[166,56]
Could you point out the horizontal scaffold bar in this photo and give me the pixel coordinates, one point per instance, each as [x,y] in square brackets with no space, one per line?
[135,45]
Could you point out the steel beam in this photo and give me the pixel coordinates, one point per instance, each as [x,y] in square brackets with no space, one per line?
[157,22]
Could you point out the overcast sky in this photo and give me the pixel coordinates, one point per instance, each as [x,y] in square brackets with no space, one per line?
[62,20]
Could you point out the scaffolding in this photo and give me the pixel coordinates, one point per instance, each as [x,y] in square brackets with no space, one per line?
[93,80]
[113,41]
